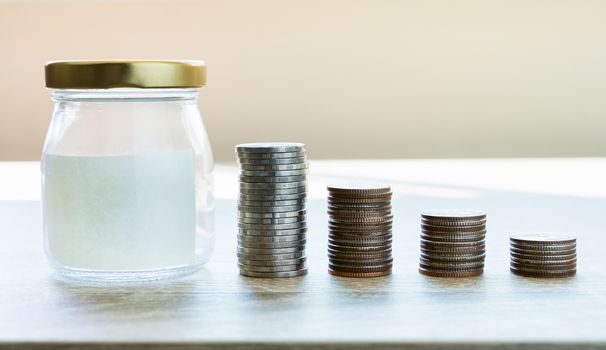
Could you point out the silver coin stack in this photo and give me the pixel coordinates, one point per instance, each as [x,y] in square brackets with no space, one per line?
[272,223]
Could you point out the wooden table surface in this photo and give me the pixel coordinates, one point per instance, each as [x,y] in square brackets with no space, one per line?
[217,308]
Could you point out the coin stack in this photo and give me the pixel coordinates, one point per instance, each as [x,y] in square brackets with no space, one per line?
[271,209]
[360,230]
[547,255]
[452,243]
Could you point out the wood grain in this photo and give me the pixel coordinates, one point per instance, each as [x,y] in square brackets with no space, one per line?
[216,308]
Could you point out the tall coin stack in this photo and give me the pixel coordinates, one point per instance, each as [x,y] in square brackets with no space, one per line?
[271,209]
[547,255]
[452,243]
[360,230]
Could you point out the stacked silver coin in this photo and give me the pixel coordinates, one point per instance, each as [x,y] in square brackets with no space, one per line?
[272,223]
[360,230]
[546,255]
[453,243]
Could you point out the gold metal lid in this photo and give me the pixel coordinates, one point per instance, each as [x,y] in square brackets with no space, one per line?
[124,74]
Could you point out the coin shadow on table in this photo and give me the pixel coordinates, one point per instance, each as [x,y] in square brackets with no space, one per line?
[454,284]
[363,285]
[265,287]
[537,281]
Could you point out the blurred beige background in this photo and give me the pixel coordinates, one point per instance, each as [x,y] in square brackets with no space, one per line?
[351,78]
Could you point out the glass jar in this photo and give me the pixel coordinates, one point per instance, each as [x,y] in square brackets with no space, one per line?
[127,187]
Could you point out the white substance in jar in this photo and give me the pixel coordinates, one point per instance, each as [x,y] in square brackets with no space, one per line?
[120,212]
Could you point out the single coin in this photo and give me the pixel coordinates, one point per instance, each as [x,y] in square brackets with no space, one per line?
[360,243]
[447,274]
[336,250]
[269,251]
[453,258]
[343,268]
[273,161]
[275,173]
[453,234]
[358,227]
[360,206]
[453,223]
[359,274]
[292,220]
[367,220]
[344,248]
[274,180]
[383,200]
[271,257]
[449,269]
[543,252]
[453,214]
[358,189]
[357,262]
[360,263]
[360,233]
[274,191]
[360,239]
[379,207]
[281,262]
[452,239]
[274,274]
[543,247]
[271,185]
[381,231]
[282,268]
[273,245]
[272,227]
[338,207]
[270,147]
[431,244]
[344,255]
[287,214]
[257,203]
[269,239]
[273,198]
[543,257]
[453,251]
[274,167]
[346,214]
[277,209]
[550,267]
[451,265]
[444,229]
[543,238]
[543,274]
[360,236]
[271,233]
[278,155]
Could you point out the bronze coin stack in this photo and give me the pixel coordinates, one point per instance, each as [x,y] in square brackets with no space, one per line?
[544,255]
[452,243]
[360,230]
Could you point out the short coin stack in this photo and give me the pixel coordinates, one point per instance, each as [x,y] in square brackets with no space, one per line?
[452,243]
[547,255]
[271,209]
[360,230]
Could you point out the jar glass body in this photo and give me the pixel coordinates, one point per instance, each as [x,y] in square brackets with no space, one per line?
[127,187]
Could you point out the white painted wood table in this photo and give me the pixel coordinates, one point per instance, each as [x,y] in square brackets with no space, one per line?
[217,308]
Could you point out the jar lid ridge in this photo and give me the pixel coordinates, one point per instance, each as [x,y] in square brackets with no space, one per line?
[145,74]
